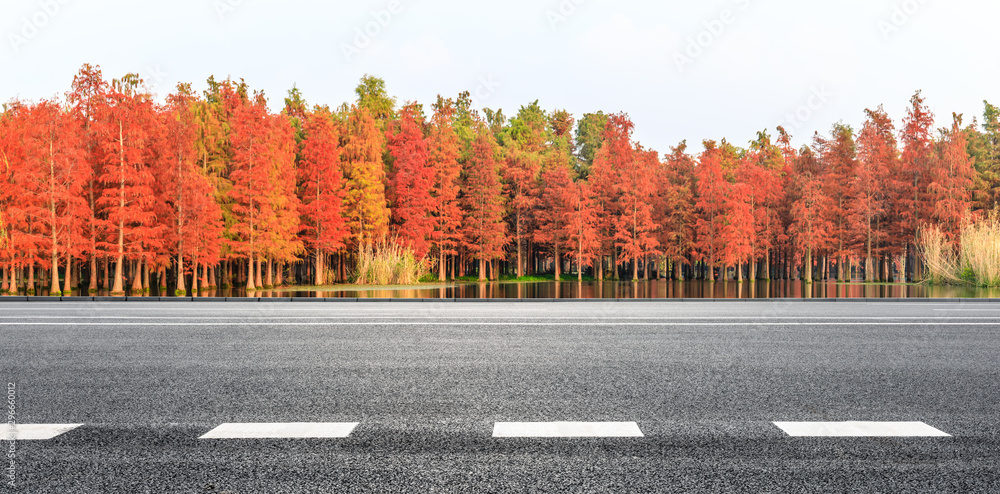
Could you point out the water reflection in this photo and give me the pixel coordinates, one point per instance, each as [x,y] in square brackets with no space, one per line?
[628,290]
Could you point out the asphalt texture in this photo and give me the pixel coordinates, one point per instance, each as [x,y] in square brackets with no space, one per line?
[426,381]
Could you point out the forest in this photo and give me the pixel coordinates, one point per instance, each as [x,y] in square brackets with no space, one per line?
[112,189]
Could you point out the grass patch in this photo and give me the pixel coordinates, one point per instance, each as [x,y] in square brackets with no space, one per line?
[974,262]
[386,263]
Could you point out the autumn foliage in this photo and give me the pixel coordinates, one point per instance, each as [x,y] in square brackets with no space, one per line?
[118,190]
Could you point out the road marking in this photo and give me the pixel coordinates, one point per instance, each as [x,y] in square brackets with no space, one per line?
[290,430]
[473,318]
[566,429]
[524,323]
[968,309]
[859,429]
[34,432]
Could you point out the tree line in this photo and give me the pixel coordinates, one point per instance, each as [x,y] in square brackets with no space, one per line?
[115,191]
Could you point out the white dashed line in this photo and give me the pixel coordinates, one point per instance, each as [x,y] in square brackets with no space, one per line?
[566,429]
[34,432]
[859,429]
[290,430]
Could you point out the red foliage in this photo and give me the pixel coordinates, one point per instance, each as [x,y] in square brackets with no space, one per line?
[410,182]
[324,228]
[192,217]
[485,231]
[712,191]
[675,208]
[951,181]
[443,146]
[127,200]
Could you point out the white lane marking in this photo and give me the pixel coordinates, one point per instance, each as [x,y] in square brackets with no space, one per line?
[292,430]
[490,323]
[859,429]
[355,317]
[566,429]
[968,309]
[34,432]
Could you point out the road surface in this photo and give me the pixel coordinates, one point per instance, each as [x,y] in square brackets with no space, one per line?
[477,396]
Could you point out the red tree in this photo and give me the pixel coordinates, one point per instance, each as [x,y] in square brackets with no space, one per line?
[917,161]
[712,191]
[252,173]
[878,156]
[739,228]
[410,182]
[635,231]
[89,98]
[761,170]
[582,218]
[485,232]
[675,208]
[951,181]
[127,197]
[553,214]
[192,217]
[443,155]
[55,176]
[811,225]
[324,228]
[839,155]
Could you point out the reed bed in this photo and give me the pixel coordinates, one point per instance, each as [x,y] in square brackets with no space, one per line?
[387,263]
[974,261]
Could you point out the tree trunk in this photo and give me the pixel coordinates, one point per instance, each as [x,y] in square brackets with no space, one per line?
[136,277]
[54,285]
[181,288]
[482,269]
[13,280]
[119,283]
[251,286]
[258,279]
[901,278]
[442,260]
[520,245]
[270,273]
[195,282]
[320,269]
[145,276]
[807,267]
[558,264]
[92,288]
[68,284]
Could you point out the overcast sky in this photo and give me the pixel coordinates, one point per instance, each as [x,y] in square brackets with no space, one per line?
[681,69]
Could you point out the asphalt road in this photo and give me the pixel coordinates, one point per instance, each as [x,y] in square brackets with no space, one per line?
[427,381]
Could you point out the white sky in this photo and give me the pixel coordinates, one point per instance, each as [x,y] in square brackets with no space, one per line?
[610,55]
